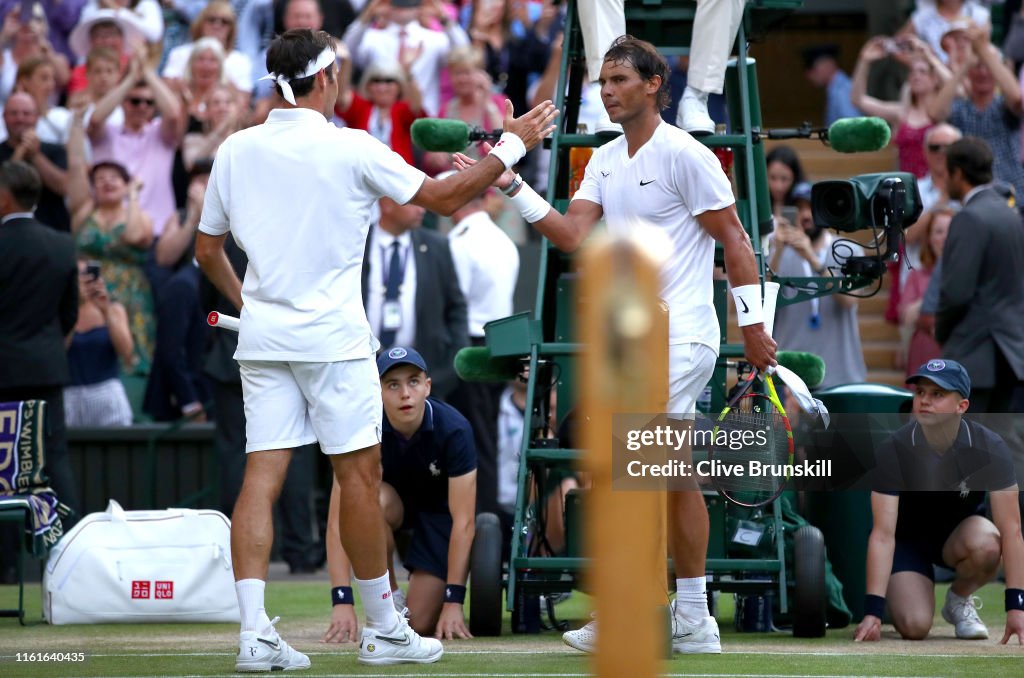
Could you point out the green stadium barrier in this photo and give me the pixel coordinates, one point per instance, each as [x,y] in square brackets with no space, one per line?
[145,466]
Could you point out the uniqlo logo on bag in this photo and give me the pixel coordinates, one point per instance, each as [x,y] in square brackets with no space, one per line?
[164,589]
[140,589]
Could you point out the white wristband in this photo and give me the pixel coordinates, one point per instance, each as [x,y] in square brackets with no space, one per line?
[510,149]
[530,204]
[749,310]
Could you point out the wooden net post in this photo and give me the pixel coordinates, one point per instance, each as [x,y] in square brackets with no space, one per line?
[624,369]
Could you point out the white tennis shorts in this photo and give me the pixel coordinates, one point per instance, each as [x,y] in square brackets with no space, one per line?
[690,367]
[288,404]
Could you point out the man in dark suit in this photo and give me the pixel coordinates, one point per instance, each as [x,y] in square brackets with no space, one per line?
[38,309]
[294,503]
[980,318]
[411,291]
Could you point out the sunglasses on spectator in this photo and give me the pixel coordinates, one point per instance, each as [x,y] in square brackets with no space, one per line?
[222,20]
[382,80]
[937,148]
[139,101]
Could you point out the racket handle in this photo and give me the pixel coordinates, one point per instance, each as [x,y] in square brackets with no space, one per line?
[225,322]
[771,297]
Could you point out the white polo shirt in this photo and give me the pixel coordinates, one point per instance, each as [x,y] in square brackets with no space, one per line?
[670,180]
[296,193]
[487,264]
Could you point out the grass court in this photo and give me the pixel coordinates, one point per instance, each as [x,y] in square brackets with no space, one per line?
[208,649]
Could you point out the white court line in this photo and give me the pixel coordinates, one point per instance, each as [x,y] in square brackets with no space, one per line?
[548,675]
[566,652]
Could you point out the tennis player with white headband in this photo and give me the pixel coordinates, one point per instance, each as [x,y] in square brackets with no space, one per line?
[325,59]
[296,193]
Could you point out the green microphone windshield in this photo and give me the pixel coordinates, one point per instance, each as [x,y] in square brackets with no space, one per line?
[439,134]
[474,363]
[807,366]
[859,135]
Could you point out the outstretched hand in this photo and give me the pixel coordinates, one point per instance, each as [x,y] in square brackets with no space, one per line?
[531,127]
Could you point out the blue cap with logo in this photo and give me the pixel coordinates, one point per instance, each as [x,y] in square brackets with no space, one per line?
[393,357]
[947,374]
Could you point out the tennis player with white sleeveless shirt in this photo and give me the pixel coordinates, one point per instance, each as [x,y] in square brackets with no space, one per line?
[296,194]
[659,176]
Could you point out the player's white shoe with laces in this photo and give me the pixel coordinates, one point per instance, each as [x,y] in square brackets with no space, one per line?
[962,613]
[688,637]
[267,651]
[583,639]
[402,646]
[695,637]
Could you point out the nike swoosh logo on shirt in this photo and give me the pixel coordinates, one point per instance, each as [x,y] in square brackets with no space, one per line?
[649,181]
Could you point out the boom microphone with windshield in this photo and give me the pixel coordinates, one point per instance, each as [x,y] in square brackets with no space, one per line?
[846,135]
[448,136]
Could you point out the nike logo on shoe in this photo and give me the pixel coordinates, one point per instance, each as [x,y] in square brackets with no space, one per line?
[649,181]
[404,640]
[274,646]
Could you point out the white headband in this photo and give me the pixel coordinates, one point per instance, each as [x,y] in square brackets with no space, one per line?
[325,59]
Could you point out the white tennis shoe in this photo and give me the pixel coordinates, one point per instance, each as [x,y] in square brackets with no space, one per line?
[258,652]
[962,613]
[583,639]
[402,646]
[696,637]
[692,114]
[688,637]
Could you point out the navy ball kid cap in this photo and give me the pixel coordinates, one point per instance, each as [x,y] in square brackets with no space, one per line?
[947,374]
[393,357]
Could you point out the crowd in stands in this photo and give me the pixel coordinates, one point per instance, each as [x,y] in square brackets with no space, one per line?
[121,105]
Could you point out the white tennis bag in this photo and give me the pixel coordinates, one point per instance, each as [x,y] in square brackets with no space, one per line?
[142,566]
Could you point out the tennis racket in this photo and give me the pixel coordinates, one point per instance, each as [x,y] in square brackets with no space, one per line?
[751,452]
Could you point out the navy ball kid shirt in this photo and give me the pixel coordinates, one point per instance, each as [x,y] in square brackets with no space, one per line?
[419,468]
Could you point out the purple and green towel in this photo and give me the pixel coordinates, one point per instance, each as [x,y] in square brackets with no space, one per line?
[23,477]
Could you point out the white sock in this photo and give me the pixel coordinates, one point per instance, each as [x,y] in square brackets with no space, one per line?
[692,598]
[694,93]
[250,604]
[376,597]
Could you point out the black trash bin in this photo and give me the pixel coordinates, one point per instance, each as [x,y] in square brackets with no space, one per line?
[844,516]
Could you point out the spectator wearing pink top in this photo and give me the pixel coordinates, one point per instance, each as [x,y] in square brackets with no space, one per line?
[144,144]
[909,117]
